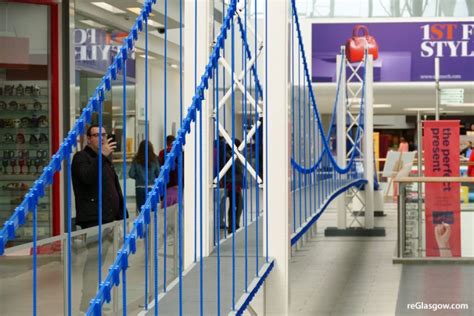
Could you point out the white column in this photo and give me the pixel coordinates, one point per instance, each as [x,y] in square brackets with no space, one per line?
[203,40]
[277,284]
[341,136]
[368,143]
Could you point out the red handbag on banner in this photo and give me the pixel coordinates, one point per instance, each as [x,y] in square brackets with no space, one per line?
[356,44]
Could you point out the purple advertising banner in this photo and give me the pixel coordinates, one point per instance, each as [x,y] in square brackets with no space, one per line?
[406,50]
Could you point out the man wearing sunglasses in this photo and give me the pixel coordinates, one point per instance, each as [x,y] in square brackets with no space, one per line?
[85,166]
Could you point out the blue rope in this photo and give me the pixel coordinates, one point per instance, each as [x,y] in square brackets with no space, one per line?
[99,156]
[252,152]
[243,31]
[318,172]
[69,232]
[299,136]
[218,199]
[245,153]
[165,109]
[124,174]
[180,167]
[195,135]
[293,152]
[310,162]
[35,259]
[146,171]
[304,154]
[233,164]
[201,260]
[257,150]
[314,174]
[225,127]
[313,101]
[313,168]
[266,128]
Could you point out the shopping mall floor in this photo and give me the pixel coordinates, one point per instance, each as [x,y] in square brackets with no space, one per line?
[328,276]
[355,276]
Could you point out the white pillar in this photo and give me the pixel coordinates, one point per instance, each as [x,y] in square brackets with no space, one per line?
[203,40]
[341,136]
[278,177]
[368,145]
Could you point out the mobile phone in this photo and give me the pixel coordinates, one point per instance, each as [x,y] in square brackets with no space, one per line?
[440,217]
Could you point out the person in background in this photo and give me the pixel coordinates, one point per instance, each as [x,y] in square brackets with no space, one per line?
[220,153]
[470,167]
[172,186]
[85,174]
[137,172]
[229,188]
[466,151]
[403,146]
[85,166]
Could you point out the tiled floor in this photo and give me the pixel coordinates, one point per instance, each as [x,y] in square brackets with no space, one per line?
[355,276]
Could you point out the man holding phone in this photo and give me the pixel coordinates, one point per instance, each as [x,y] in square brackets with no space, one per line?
[85,166]
[85,175]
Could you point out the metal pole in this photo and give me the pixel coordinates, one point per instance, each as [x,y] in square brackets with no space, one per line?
[420,173]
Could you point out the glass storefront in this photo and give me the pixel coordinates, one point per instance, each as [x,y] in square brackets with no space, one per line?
[27,91]
[94,50]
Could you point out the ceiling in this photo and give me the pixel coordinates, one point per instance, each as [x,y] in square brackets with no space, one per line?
[84,6]
[401,96]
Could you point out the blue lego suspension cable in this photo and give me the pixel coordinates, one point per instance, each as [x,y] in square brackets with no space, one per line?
[165,109]
[146,165]
[124,174]
[257,145]
[219,220]
[266,129]
[180,166]
[195,133]
[293,145]
[299,138]
[99,156]
[245,153]
[233,162]
[69,232]
[35,259]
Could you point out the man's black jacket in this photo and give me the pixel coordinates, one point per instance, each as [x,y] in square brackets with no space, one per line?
[85,183]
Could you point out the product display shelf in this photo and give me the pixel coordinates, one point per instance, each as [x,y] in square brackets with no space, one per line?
[25,140]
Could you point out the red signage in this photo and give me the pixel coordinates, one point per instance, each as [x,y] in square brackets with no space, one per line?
[442,201]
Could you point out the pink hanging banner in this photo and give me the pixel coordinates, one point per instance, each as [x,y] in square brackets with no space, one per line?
[442,200]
